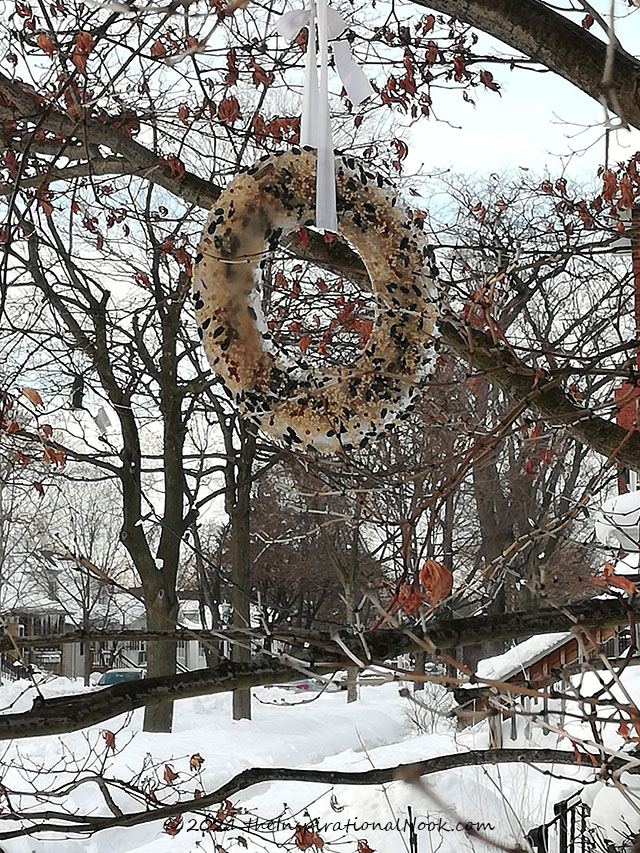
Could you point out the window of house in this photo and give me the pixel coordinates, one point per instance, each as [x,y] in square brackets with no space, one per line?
[47,624]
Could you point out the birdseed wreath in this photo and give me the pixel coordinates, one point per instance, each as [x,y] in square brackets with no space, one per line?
[293,400]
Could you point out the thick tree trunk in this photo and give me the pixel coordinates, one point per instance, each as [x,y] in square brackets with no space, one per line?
[418,668]
[87,645]
[210,594]
[241,561]
[87,663]
[352,672]
[240,599]
[495,522]
[351,583]
[162,611]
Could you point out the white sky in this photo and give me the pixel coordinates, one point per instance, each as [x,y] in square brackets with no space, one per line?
[538,121]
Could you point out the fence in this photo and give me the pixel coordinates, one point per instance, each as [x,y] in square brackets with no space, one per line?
[566,832]
[8,671]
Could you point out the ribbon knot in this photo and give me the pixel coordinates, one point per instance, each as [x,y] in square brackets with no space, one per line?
[315,124]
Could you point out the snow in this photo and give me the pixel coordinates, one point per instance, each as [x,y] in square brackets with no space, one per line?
[521,655]
[618,522]
[628,565]
[316,731]
[324,733]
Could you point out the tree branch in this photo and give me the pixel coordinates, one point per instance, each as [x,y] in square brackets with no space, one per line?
[191,188]
[323,655]
[97,166]
[259,775]
[520,382]
[571,51]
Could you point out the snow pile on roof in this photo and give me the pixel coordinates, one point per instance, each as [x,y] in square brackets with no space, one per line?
[520,656]
[628,565]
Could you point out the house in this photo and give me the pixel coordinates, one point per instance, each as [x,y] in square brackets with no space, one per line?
[540,661]
[31,609]
[191,653]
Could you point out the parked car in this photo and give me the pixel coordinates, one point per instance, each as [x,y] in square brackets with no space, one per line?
[311,685]
[115,676]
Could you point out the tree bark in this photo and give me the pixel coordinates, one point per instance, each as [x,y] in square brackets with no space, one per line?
[162,611]
[241,560]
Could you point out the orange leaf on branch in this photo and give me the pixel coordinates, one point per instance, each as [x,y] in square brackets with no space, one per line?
[409,599]
[84,44]
[610,578]
[259,128]
[302,38]
[182,257]
[196,761]
[169,774]
[364,329]
[173,825]
[436,579]
[11,162]
[225,811]
[401,148]
[43,202]
[610,183]
[460,69]
[626,194]
[544,455]
[176,166]
[109,739]
[232,73]
[623,729]
[306,838]
[229,110]
[486,77]
[32,395]
[260,75]
[54,457]
[304,343]
[45,43]
[158,49]
[432,52]
[303,238]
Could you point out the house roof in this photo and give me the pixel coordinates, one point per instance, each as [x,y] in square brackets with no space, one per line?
[519,657]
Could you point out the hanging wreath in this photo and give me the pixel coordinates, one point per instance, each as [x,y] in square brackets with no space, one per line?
[293,400]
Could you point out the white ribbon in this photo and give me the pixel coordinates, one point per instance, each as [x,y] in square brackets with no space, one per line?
[315,124]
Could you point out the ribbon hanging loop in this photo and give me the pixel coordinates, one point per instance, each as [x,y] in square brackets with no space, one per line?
[315,123]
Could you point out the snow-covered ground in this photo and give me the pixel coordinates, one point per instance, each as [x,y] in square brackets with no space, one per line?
[290,730]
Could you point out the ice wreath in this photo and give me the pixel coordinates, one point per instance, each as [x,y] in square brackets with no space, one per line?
[294,401]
